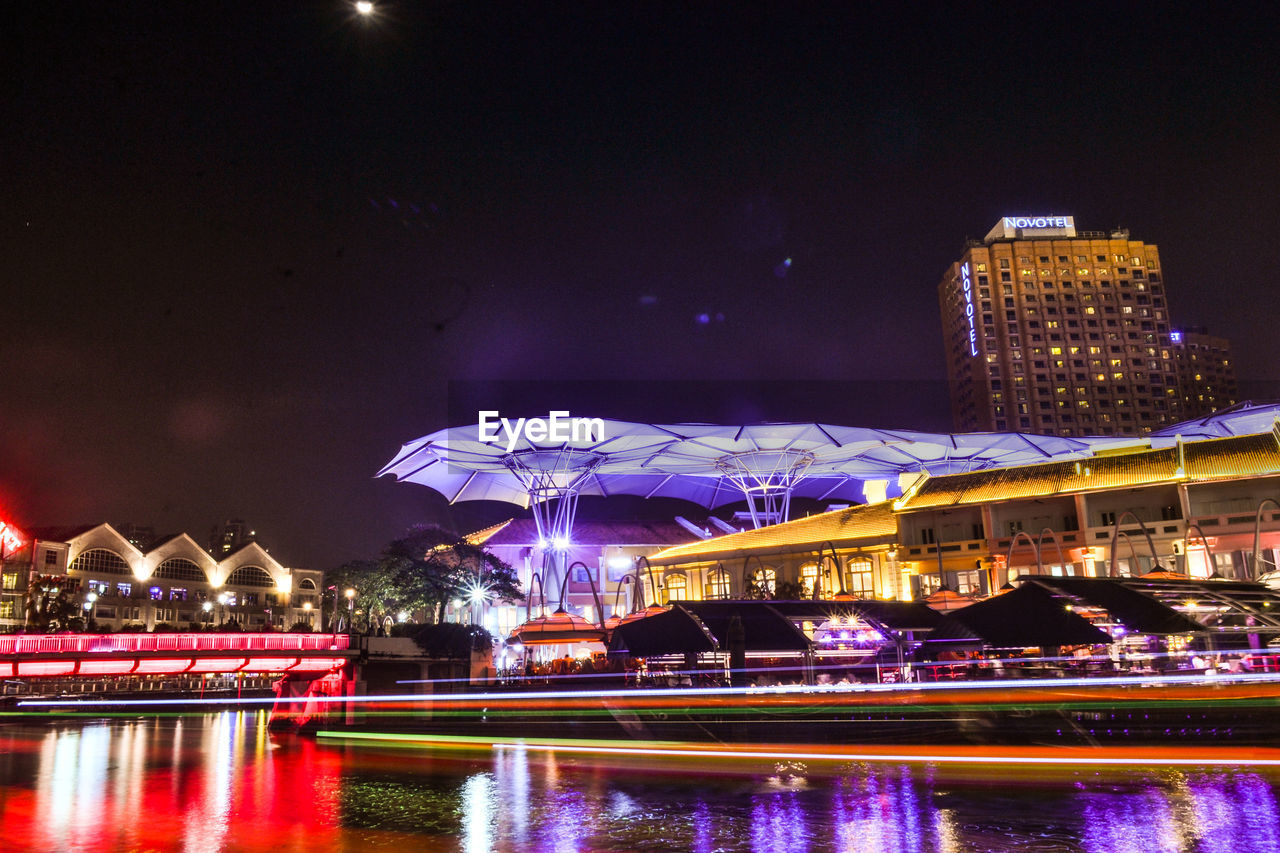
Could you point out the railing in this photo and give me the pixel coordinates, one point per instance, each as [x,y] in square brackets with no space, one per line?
[28,644]
[1228,519]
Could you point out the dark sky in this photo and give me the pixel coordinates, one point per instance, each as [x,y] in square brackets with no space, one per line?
[246,248]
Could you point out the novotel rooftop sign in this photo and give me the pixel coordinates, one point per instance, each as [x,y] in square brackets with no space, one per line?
[1041,225]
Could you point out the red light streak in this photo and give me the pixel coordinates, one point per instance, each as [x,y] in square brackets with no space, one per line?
[46,667]
[268,664]
[162,666]
[318,664]
[105,667]
[217,665]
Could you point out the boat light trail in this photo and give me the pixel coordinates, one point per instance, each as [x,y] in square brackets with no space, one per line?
[1141,757]
[693,693]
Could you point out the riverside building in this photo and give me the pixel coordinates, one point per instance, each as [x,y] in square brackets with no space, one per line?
[173,583]
[1056,331]
[1204,508]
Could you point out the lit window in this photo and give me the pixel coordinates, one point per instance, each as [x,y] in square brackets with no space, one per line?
[859,579]
[718,584]
[808,579]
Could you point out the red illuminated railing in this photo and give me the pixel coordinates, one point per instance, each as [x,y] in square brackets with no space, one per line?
[40,644]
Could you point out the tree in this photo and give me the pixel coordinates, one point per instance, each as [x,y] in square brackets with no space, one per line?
[421,572]
[51,607]
[431,567]
[376,593]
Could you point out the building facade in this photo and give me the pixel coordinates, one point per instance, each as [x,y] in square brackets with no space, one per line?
[1056,331]
[1202,508]
[175,583]
[1206,373]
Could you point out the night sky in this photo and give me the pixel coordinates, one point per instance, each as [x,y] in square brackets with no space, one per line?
[248,250]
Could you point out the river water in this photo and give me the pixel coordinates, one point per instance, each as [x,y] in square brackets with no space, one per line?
[221,782]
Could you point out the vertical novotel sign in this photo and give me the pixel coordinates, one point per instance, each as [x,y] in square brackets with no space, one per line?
[966,285]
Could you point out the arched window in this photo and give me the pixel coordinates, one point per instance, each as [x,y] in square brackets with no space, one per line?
[677,587]
[718,584]
[858,579]
[100,561]
[808,579]
[250,576]
[307,584]
[180,569]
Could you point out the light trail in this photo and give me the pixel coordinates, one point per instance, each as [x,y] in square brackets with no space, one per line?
[1140,757]
[688,693]
[792,669]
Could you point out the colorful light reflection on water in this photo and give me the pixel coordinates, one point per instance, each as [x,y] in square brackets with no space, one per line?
[222,783]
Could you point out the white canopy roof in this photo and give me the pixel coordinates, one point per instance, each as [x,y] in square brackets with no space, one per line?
[710,464]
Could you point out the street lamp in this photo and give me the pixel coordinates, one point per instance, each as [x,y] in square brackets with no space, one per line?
[207,607]
[89,601]
[222,611]
[351,609]
[477,596]
[306,608]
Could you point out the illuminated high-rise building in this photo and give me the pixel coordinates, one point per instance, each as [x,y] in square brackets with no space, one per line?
[1056,331]
[1206,374]
[230,535]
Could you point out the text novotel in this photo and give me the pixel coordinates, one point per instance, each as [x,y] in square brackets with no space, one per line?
[556,428]
[966,284]
[1036,222]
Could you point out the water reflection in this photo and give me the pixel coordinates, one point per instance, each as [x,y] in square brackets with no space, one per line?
[221,782]
[478,816]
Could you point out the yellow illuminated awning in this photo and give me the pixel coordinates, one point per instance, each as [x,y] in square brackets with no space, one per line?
[842,527]
[1211,459]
